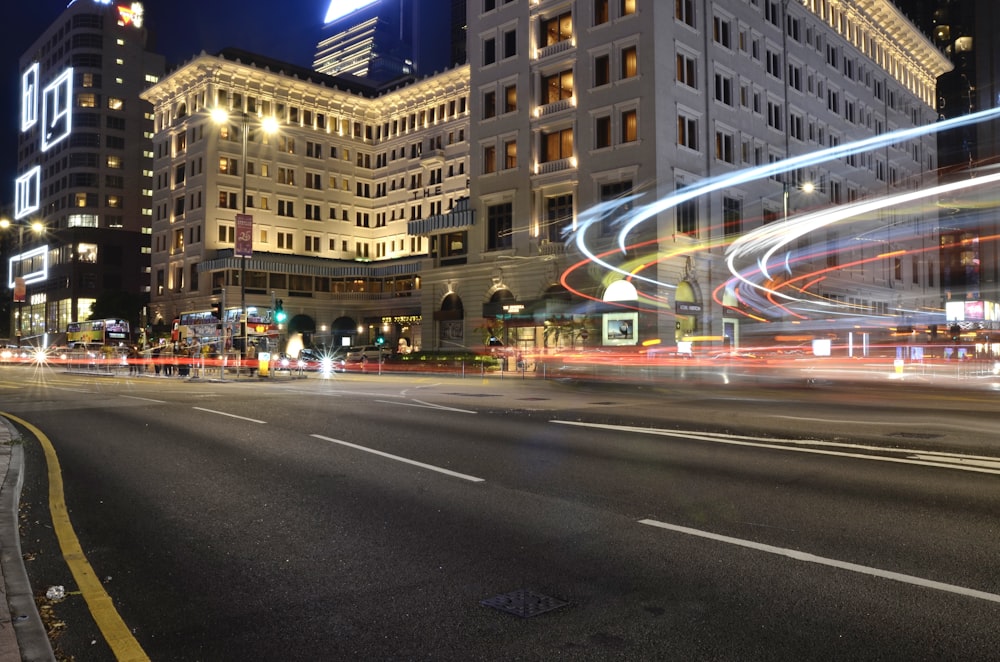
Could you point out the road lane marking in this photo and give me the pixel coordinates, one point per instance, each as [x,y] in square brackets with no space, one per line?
[109,621]
[426,405]
[940,461]
[448,472]
[224,413]
[960,459]
[136,397]
[822,560]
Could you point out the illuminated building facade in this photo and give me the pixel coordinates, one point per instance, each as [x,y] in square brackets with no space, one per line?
[332,193]
[385,40]
[576,104]
[460,188]
[84,164]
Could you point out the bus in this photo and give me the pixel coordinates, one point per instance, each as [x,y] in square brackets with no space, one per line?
[106,332]
[201,327]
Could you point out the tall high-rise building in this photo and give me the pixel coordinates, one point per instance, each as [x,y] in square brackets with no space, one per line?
[965,31]
[385,40]
[84,164]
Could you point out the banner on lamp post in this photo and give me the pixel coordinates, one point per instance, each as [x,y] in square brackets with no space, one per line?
[19,290]
[244,235]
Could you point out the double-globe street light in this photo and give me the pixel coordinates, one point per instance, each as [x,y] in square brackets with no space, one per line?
[16,263]
[244,223]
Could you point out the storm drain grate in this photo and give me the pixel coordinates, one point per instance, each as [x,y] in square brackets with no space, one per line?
[524,603]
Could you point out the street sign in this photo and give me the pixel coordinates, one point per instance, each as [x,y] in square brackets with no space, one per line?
[244,235]
[687,308]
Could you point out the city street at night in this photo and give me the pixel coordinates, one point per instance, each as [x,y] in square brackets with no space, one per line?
[389,516]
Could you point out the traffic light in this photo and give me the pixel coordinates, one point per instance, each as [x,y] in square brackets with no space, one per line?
[380,340]
[217,311]
[279,312]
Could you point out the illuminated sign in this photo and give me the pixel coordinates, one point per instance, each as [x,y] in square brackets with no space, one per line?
[341,8]
[131,15]
[244,235]
[29,97]
[32,266]
[27,191]
[57,120]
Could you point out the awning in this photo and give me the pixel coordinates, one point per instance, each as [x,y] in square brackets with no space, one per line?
[459,217]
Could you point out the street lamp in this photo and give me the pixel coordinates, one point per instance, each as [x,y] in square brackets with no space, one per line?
[244,244]
[18,279]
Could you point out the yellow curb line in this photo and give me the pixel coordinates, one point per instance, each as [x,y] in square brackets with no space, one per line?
[116,633]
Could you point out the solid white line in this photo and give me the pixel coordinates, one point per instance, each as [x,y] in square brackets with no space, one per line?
[427,405]
[448,472]
[834,563]
[222,413]
[136,397]
[783,445]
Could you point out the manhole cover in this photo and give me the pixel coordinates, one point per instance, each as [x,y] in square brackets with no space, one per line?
[524,603]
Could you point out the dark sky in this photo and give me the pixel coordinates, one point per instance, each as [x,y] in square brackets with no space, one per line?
[285,30]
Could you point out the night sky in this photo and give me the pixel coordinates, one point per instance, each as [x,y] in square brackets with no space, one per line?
[286,30]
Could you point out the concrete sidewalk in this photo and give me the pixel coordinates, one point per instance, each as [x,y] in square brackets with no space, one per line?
[22,634]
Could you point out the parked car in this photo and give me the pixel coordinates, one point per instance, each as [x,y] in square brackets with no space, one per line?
[364,353]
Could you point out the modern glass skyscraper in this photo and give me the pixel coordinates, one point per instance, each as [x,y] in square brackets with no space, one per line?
[389,39]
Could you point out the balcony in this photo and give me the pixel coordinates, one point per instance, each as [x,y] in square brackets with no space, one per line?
[555,166]
[556,107]
[555,49]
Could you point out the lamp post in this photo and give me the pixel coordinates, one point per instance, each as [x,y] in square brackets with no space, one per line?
[18,279]
[244,223]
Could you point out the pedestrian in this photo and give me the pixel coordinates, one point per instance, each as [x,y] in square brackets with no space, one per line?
[252,358]
[157,351]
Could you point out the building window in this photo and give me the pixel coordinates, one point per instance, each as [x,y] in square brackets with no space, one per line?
[724,89]
[686,71]
[611,192]
[602,132]
[732,216]
[557,145]
[630,126]
[227,200]
[557,87]
[627,7]
[510,44]
[602,70]
[774,113]
[499,226]
[510,99]
[489,105]
[489,159]
[558,217]
[687,131]
[510,154]
[684,11]
[559,28]
[724,146]
[314,180]
[286,176]
[600,12]
[722,32]
[630,62]
[228,166]
[489,51]
[687,215]
[285,239]
[286,208]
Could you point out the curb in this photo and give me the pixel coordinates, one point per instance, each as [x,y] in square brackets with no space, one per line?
[27,639]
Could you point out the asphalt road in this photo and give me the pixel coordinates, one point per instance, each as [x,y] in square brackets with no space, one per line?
[370,517]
